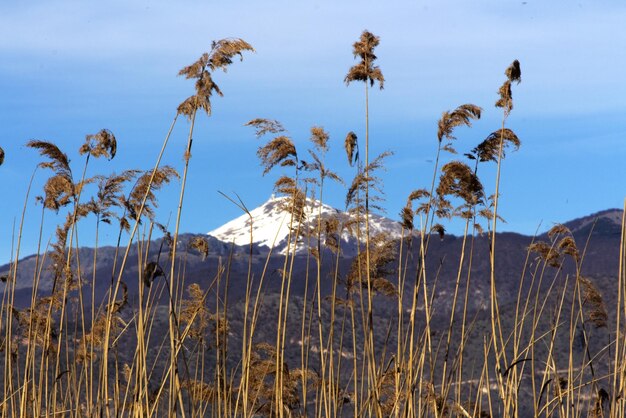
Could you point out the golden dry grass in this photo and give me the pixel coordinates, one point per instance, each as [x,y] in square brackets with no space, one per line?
[366,347]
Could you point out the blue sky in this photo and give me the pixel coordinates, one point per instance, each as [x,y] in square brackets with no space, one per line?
[71,68]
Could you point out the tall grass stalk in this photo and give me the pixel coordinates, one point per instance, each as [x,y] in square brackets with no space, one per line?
[367,72]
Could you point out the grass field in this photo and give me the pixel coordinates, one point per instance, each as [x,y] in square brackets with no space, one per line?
[376,342]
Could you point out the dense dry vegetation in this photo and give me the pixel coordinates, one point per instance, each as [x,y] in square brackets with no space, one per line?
[137,335]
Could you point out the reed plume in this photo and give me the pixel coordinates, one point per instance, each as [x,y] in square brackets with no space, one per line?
[462,115]
[319,138]
[142,194]
[59,163]
[488,149]
[59,189]
[332,233]
[151,272]
[96,337]
[279,151]
[36,324]
[562,244]
[459,180]
[592,296]
[102,144]
[546,252]
[194,315]
[220,57]
[367,180]
[352,148]
[265,126]
[420,194]
[439,230]
[58,192]
[110,195]
[382,256]
[407,216]
[200,391]
[365,70]
[201,245]
[513,74]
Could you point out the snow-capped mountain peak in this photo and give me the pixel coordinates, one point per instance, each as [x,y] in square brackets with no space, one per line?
[269,224]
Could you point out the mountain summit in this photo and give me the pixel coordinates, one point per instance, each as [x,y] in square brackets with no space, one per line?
[606,222]
[270,225]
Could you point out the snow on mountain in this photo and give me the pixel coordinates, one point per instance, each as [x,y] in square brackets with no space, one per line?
[270,225]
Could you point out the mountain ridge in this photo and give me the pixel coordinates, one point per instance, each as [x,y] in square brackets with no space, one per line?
[603,228]
[606,217]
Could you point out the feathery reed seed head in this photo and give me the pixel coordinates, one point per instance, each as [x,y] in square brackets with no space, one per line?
[220,57]
[59,163]
[547,253]
[352,148]
[151,272]
[381,258]
[488,149]
[440,230]
[406,214]
[366,70]
[194,314]
[264,126]
[558,229]
[102,144]
[331,228]
[462,115]
[513,74]
[278,151]
[319,137]
[58,192]
[459,180]
[201,245]
[145,186]
[597,314]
